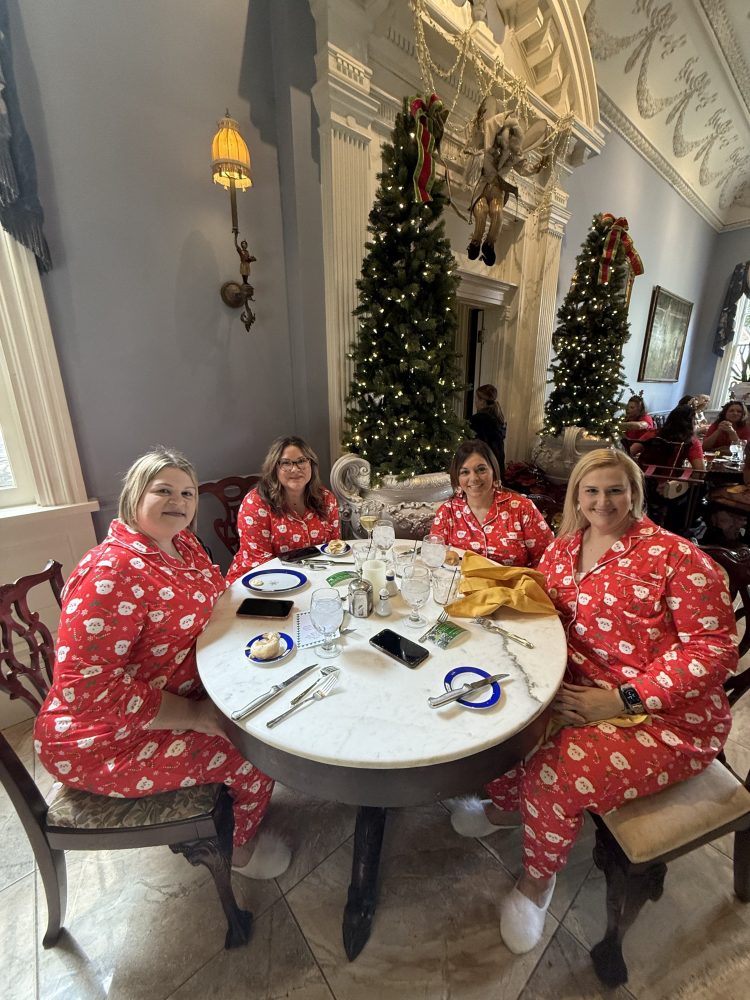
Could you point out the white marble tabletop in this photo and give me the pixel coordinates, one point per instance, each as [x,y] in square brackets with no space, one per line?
[378,716]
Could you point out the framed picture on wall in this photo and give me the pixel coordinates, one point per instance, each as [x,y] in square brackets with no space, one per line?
[666,330]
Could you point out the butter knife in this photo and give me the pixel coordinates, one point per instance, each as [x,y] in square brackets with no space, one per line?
[272,693]
[449,696]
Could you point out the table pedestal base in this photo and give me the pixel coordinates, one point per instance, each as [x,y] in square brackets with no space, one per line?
[362,897]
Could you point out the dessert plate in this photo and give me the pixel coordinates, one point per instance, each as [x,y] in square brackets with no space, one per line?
[483,698]
[335,555]
[286,645]
[273,581]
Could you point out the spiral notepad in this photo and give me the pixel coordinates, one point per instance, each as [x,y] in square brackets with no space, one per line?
[305,634]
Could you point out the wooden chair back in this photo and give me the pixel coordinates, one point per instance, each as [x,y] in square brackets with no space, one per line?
[230,492]
[736,564]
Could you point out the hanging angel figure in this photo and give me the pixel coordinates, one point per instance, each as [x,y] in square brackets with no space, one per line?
[496,146]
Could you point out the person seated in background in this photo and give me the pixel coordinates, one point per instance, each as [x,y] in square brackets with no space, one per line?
[488,423]
[730,427]
[699,404]
[126,714]
[636,423]
[483,517]
[673,445]
[288,509]
[650,633]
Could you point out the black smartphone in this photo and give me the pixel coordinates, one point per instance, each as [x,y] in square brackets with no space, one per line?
[399,648]
[297,555]
[264,607]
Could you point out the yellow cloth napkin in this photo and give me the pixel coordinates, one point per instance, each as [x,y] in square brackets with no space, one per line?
[486,586]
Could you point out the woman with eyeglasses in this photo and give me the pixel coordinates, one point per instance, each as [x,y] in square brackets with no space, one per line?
[289,508]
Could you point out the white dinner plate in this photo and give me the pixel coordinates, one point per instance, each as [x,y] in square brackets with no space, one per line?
[273,581]
[335,555]
[485,697]
[286,646]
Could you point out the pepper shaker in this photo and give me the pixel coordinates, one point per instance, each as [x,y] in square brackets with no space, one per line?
[384,604]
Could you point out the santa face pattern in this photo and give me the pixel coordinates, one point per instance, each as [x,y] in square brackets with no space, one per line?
[653,612]
[264,535]
[513,533]
[130,618]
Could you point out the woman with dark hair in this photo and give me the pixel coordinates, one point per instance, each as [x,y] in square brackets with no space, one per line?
[488,423]
[288,509]
[651,635]
[672,445]
[730,427]
[637,422]
[483,517]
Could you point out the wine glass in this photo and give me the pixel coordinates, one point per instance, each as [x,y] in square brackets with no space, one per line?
[361,548]
[368,515]
[326,615]
[415,590]
[737,449]
[433,551]
[384,535]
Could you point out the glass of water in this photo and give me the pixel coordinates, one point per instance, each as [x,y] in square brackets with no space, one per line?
[737,449]
[326,615]
[433,551]
[415,590]
[384,535]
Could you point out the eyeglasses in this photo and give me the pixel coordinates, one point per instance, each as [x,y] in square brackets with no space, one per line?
[287,464]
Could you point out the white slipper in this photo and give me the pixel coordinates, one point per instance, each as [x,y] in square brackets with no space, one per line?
[469,819]
[522,921]
[270,858]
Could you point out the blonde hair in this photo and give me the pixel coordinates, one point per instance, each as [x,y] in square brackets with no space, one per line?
[143,472]
[603,458]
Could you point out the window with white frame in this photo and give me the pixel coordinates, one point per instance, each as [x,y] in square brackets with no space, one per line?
[734,367]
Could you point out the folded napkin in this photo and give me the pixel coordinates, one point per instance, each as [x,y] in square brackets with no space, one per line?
[486,586]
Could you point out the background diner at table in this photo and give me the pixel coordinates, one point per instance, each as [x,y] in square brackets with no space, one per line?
[483,517]
[730,427]
[488,423]
[636,421]
[650,633]
[288,509]
[126,714]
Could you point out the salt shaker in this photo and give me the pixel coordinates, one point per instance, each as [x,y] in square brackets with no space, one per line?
[384,604]
[390,584]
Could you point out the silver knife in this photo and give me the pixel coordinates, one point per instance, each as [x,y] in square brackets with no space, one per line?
[270,694]
[494,627]
[449,696]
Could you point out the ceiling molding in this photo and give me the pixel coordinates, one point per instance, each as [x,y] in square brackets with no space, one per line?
[726,38]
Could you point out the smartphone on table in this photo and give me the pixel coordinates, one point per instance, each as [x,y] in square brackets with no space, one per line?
[398,647]
[298,555]
[264,607]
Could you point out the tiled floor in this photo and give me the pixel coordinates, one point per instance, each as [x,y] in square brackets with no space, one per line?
[147,925]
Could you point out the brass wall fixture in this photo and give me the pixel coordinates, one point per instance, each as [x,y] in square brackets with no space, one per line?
[230,167]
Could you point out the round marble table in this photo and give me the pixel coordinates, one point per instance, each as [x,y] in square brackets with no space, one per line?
[375,742]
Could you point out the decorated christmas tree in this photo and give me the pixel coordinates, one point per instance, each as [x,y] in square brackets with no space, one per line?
[587,372]
[399,413]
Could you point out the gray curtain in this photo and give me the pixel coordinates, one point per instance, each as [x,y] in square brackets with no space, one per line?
[739,284]
[20,212]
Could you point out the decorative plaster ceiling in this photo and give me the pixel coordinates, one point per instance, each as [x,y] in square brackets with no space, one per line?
[674,81]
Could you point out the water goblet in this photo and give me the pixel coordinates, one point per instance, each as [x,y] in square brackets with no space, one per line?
[326,615]
[415,590]
[361,549]
[384,535]
[433,551]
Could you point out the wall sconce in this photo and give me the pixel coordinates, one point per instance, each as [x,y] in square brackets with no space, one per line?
[230,167]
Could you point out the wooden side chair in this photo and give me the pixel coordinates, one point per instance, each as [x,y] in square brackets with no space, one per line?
[636,842]
[197,822]
[230,492]
[548,507]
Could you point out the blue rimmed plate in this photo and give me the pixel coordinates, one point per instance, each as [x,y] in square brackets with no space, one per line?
[286,646]
[325,549]
[483,698]
[273,581]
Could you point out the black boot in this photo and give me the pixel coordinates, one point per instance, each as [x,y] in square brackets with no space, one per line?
[473,250]
[488,254]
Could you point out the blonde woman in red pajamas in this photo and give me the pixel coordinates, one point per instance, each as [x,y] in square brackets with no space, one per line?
[126,714]
[650,631]
[482,517]
[289,509]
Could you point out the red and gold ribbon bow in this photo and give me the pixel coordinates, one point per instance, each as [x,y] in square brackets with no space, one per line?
[618,234]
[428,120]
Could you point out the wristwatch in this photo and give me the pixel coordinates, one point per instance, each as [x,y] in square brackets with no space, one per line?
[631,700]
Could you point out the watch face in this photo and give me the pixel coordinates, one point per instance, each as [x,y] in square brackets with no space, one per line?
[631,697]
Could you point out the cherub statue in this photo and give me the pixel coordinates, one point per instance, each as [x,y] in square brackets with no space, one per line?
[498,146]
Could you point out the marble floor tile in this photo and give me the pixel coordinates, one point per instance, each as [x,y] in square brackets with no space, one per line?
[738,757]
[17,940]
[436,930]
[312,828]
[16,856]
[692,944]
[565,971]
[275,963]
[139,923]
[740,731]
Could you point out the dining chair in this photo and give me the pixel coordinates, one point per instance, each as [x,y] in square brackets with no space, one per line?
[230,492]
[549,508]
[196,822]
[636,842]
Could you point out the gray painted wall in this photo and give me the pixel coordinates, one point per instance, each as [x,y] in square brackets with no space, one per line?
[121,102]
[675,244]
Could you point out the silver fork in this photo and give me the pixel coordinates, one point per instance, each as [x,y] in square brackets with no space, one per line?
[442,617]
[494,627]
[330,669]
[325,688]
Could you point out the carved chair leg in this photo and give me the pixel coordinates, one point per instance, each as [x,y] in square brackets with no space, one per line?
[55,881]
[627,891]
[742,865]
